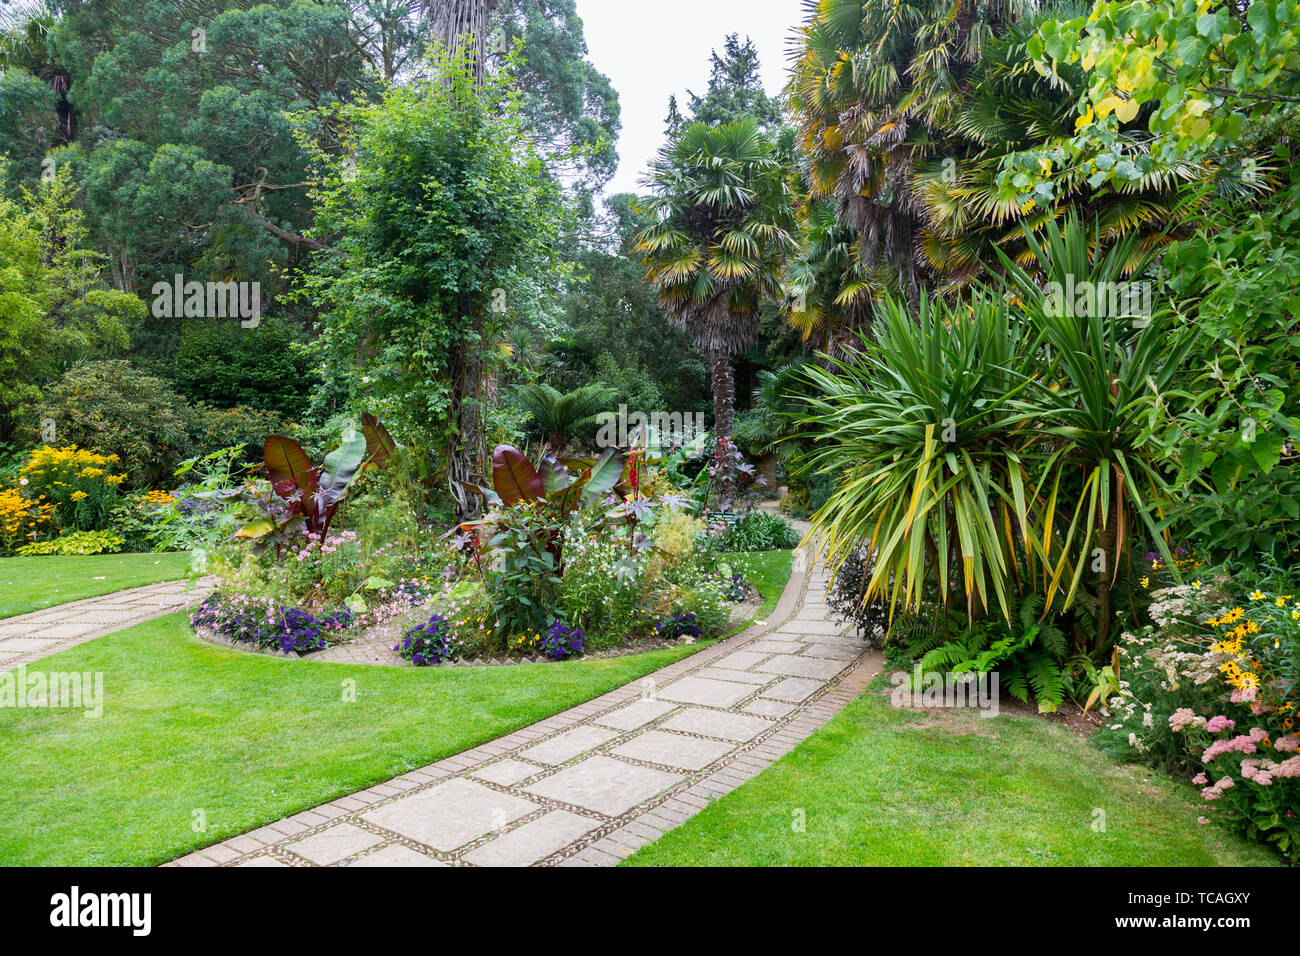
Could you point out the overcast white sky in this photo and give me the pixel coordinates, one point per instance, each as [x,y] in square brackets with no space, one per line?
[651,49]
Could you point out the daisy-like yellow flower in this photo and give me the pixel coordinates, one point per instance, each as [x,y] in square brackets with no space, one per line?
[1257,595]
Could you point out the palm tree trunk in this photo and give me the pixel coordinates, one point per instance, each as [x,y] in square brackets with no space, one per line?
[724,413]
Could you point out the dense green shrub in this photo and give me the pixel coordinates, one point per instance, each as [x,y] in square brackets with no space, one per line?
[213,428]
[221,364]
[807,493]
[111,407]
[756,530]
[1238,411]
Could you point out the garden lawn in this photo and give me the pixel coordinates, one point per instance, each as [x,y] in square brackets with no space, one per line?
[34,583]
[191,732]
[768,572]
[881,787]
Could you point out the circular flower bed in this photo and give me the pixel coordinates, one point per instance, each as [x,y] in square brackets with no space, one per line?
[266,625]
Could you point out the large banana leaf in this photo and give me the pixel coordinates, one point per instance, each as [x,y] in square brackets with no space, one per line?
[292,474]
[514,476]
[380,445]
[340,467]
[604,474]
[555,477]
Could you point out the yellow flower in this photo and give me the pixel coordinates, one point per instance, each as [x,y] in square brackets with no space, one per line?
[1257,595]
[79,495]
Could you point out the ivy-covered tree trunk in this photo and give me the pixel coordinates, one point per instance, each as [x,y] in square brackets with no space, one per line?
[464,450]
[724,414]
[464,24]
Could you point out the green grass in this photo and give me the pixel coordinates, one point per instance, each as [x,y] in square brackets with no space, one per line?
[35,583]
[245,738]
[768,572]
[881,787]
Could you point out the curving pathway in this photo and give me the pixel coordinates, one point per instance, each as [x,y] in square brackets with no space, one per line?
[591,785]
[30,637]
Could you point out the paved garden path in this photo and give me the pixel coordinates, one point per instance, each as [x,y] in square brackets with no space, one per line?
[29,637]
[589,786]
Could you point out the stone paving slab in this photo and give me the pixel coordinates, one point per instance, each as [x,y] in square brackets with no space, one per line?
[451,814]
[589,786]
[29,637]
[533,841]
[706,691]
[715,723]
[605,785]
[635,715]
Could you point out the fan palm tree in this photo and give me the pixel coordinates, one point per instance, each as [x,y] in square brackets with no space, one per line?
[558,414]
[716,231]
[871,84]
[1008,110]
[830,294]
[909,112]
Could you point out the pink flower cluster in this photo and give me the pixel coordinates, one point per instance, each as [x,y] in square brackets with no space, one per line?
[1246,743]
[1220,723]
[1288,744]
[1183,718]
[1216,791]
[1263,772]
